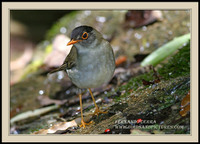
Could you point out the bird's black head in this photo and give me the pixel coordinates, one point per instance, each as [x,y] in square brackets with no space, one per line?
[84,35]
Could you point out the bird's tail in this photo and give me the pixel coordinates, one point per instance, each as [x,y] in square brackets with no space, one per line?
[62,67]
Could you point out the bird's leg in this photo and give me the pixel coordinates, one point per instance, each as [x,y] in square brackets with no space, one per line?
[97,110]
[82,121]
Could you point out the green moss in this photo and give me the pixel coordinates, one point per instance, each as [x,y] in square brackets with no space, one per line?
[178,65]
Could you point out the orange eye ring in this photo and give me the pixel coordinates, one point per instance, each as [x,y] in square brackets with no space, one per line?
[85,35]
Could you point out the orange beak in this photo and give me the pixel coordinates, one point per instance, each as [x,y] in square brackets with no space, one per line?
[72,42]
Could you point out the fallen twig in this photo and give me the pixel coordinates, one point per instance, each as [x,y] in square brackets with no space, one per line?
[34,113]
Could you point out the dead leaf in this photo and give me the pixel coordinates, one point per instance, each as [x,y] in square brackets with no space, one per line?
[185,110]
[63,126]
[185,105]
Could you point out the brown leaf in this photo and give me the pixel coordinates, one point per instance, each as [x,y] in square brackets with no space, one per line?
[185,105]
[186,100]
[183,112]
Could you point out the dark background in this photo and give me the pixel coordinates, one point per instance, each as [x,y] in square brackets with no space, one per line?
[37,21]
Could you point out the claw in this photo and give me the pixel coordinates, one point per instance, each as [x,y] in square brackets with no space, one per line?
[97,112]
[84,123]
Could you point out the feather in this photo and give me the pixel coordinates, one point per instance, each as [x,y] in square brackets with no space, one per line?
[69,62]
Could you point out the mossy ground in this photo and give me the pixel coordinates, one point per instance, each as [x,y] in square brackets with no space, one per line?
[178,65]
[160,101]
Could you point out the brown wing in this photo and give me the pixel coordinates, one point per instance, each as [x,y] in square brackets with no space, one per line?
[69,62]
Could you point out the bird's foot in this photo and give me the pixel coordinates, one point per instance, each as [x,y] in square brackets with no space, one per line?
[83,124]
[98,111]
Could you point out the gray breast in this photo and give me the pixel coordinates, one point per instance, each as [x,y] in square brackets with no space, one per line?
[93,68]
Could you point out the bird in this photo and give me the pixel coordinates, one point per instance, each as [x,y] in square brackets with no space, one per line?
[90,63]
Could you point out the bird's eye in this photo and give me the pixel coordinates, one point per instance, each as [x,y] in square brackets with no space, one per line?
[85,35]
